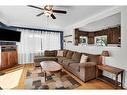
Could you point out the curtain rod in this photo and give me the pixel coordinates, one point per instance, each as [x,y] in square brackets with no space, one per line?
[36,29]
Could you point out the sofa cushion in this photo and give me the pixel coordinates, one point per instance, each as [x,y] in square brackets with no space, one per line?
[67,62]
[93,58]
[60,53]
[51,53]
[74,67]
[76,56]
[65,52]
[49,59]
[60,59]
[42,58]
[69,54]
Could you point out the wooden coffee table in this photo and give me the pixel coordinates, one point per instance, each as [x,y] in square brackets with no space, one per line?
[50,67]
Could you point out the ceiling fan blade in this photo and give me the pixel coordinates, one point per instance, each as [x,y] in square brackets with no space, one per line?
[52,15]
[60,11]
[40,14]
[35,7]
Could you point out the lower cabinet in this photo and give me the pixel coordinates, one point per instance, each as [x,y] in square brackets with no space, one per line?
[9,57]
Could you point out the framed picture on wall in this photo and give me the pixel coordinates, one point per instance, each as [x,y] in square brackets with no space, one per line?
[101,40]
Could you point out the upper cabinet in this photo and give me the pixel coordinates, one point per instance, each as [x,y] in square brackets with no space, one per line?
[90,37]
[114,35]
[105,32]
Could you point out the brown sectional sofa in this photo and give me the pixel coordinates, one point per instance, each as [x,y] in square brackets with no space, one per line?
[71,62]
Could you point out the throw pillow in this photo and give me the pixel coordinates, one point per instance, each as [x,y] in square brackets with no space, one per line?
[83,58]
[60,53]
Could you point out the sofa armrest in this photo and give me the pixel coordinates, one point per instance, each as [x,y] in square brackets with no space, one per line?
[86,69]
[88,64]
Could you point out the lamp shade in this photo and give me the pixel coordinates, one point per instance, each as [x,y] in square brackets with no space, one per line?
[105,53]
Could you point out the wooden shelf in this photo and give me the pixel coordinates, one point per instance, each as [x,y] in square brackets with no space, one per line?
[108,81]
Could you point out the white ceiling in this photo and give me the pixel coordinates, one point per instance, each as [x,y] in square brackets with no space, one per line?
[111,21]
[26,16]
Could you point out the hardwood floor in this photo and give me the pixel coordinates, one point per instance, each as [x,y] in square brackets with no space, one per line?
[93,84]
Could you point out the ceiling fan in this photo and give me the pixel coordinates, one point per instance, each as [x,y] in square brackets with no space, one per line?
[48,10]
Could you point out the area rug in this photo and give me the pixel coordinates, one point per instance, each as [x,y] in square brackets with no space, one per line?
[10,80]
[35,80]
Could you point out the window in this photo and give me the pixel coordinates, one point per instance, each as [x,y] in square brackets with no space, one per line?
[101,40]
[35,42]
[83,40]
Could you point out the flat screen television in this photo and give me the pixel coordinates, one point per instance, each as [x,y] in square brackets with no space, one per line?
[9,35]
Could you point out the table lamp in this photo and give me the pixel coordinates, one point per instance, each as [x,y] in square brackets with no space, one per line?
[105,53]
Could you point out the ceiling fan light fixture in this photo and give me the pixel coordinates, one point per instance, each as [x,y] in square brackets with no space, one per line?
[48,10]
[48,13]
[48,7]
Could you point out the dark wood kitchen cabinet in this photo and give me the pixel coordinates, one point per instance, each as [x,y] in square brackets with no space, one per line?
[90,37]
[116,35]
[76,36]
[8,57]
[113,35]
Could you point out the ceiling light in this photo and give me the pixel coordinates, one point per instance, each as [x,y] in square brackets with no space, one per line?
[48,13]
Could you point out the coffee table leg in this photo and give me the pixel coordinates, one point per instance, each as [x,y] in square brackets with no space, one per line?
[45,75]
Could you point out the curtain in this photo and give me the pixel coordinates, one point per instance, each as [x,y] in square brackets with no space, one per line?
[35,42]
[50,41]
[29,45]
